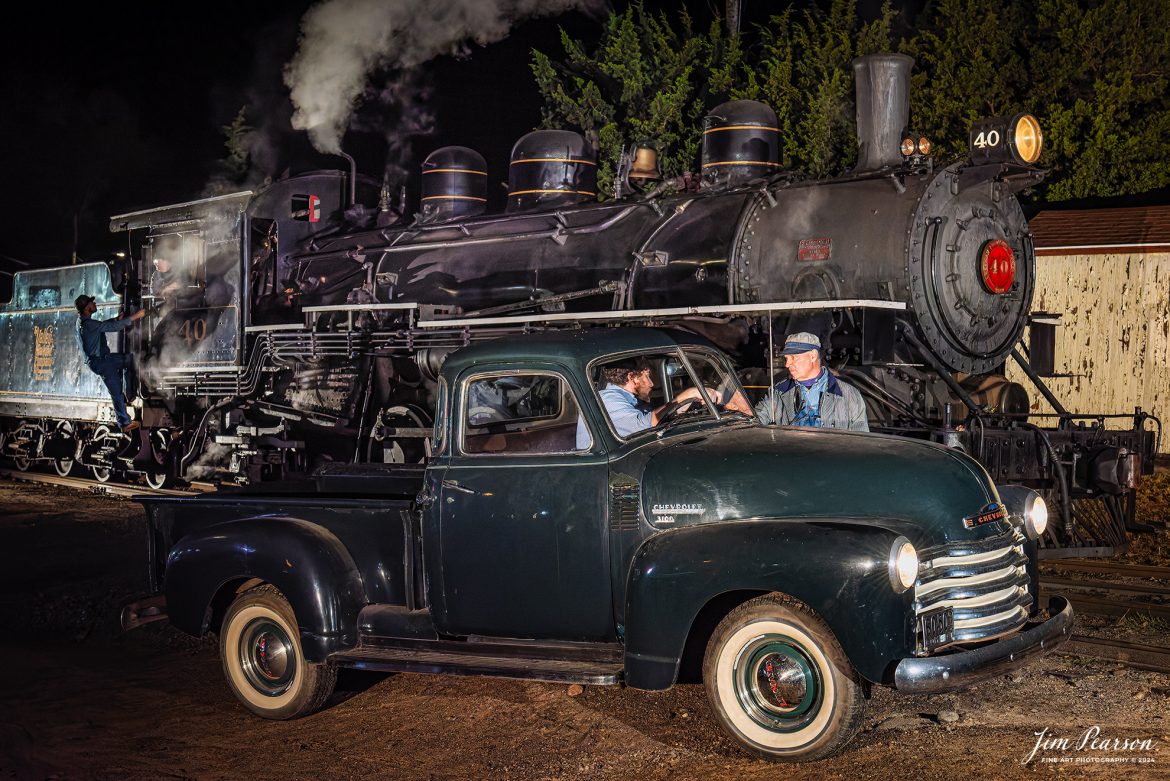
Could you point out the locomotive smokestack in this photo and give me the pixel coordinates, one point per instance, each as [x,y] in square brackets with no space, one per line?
[883,108]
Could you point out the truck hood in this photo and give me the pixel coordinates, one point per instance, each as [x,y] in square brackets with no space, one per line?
[729,473]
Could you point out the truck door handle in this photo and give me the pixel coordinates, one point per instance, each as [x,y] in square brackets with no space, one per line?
[454,486]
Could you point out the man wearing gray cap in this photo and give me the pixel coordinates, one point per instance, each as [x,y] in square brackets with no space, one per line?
[811,396]
[113,368]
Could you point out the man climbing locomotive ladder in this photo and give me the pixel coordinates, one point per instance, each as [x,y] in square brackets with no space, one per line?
[115,369]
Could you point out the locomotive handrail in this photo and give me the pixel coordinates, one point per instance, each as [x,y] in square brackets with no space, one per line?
[1040,386]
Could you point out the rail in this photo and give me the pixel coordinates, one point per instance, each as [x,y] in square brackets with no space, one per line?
[110,489]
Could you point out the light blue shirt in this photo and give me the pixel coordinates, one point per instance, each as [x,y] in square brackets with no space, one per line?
[623,410]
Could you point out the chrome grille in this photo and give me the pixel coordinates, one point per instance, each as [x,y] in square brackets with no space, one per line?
[984,582]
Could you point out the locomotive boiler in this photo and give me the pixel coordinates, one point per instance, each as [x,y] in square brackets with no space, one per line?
[311,322]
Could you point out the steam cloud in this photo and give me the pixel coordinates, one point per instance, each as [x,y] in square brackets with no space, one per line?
[343,41]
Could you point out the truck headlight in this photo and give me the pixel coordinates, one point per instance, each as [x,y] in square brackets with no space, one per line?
[1025,508]
[1036,517]
[903,564]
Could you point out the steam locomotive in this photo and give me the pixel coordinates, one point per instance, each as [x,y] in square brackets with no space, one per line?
[304,323]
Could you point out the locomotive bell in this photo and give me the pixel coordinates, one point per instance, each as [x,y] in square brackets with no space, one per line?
[454,184]
[741,142]
[645,167]
[551,168]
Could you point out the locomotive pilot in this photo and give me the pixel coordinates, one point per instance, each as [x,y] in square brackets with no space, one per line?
[113,368]
[812,395]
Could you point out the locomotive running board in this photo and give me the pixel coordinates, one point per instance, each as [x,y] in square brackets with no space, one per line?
[493,660]
[681,311]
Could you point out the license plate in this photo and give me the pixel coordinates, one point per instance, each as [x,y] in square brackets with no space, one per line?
[936,628]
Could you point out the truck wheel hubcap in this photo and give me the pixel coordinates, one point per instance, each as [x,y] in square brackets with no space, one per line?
[268,657]
[777,684]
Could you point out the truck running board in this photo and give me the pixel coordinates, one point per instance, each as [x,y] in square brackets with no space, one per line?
[486,661]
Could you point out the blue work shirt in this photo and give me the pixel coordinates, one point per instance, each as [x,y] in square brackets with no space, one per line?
[625,412]
[92,334]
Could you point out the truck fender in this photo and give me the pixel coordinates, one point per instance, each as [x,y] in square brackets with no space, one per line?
[307,562]
[838,567]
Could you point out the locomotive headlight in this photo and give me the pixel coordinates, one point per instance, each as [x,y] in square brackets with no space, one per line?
[1015,139]
[924,146]
[1026,508]
[903,564]
[908,146]
[1028,139]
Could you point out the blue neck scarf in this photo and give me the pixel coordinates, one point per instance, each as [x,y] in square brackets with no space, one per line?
[811,392]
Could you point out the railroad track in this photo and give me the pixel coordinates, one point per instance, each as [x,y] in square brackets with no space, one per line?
[110,489]
[1118,600]
[1137,655]
[1107,568]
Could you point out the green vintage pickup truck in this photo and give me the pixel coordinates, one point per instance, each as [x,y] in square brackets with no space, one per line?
[556,536]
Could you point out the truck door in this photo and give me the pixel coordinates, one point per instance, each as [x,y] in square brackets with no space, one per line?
[522,514]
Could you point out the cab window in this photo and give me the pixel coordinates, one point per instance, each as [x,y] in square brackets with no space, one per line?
[520,414]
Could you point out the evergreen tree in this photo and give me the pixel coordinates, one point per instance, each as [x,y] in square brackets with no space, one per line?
[1095,72]
[232,169]
[647,80]
[803,70]
[969,65]
[1102,78]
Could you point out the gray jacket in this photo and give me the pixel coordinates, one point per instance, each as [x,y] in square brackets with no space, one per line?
[841,405]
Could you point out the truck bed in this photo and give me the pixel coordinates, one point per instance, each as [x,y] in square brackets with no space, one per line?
[367,507]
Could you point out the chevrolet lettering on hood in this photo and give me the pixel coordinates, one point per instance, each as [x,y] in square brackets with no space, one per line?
[992,512]
[666,513]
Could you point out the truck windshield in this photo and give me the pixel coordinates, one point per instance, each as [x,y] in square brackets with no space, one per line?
[646,390]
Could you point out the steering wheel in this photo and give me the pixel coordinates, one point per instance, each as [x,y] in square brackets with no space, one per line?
[673,409]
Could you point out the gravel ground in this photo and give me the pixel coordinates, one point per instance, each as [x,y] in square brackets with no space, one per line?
[83,701]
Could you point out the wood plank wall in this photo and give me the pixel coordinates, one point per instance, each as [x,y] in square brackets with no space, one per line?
[1114,337]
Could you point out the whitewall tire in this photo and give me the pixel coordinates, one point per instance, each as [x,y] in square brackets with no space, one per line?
[260,647]
[779,683]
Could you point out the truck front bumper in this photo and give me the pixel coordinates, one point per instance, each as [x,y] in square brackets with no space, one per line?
[931,674]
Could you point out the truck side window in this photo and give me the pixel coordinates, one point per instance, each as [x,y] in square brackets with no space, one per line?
[508,414]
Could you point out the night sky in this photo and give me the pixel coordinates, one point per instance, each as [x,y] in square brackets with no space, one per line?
[116,109]
[119,107]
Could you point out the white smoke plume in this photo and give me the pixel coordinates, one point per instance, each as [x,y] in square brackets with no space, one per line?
[211,463]
[400,111]
[343,41]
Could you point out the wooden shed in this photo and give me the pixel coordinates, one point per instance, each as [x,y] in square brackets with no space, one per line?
[1106,272]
